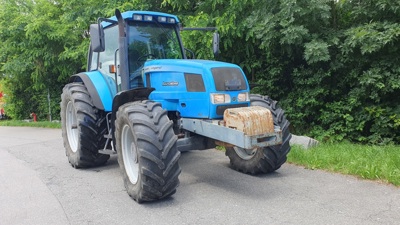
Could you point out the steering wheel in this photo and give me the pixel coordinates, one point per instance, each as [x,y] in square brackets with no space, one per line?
[141,58]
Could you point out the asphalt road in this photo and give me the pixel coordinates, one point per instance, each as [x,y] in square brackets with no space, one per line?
[38,186]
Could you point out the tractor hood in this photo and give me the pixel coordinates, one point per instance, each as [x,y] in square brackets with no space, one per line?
[196,88]
[184,65]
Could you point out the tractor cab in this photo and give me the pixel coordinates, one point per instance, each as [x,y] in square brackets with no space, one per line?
[120,46]
[134,37]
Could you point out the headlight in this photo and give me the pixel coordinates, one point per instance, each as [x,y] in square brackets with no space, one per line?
[220,98]
[148,18]
[171,20]
[137,17]
[162,19]
[243,97]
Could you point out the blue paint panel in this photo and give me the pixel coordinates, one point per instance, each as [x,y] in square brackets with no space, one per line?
[168,82]
[193,105]
[105,87]
[172,94]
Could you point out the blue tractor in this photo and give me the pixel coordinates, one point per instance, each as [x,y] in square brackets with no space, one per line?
[144,100]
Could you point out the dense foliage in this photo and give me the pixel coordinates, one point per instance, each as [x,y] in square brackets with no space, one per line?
[333,65]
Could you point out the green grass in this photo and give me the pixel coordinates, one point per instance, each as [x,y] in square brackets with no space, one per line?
[20,123]
[380,163]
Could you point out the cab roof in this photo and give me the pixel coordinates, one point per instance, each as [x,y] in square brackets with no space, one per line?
[130,15]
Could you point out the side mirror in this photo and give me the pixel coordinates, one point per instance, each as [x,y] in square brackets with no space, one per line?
[215,44]
[97,38]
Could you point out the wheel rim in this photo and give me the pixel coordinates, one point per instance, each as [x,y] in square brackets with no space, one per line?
[245,154]
[129,154]
[72,127]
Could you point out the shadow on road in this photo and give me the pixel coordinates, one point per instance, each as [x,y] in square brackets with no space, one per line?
[204,167]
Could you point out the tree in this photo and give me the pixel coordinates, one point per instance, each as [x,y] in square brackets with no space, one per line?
[333,65]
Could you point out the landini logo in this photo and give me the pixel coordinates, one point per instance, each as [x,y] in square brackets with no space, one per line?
[170,83]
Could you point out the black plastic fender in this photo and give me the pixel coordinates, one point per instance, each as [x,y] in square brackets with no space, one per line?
[124,97]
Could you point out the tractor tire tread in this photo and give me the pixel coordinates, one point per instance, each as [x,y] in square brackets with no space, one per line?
[156,149]
[267,159]
[91,125]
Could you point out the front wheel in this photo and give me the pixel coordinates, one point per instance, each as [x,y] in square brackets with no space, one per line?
[83,127]
[147,152]
[267,159]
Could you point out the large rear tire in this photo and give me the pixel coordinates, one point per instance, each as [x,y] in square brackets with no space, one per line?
[147,152]
[267,159]
[83,127]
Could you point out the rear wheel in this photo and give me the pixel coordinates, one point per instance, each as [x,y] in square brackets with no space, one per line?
[147,152]
[83,127]
[267,159]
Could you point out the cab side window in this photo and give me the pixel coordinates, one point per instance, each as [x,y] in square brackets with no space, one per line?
[93,62]
[107,57]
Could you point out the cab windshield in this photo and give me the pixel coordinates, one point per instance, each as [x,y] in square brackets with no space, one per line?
[148,41]
[151,41]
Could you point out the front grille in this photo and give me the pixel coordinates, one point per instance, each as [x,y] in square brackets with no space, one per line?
[221,109]
[228,79]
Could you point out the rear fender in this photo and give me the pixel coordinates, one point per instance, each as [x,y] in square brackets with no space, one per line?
[101,88]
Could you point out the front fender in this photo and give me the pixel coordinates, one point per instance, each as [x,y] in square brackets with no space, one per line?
[101,88]
[124,97]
